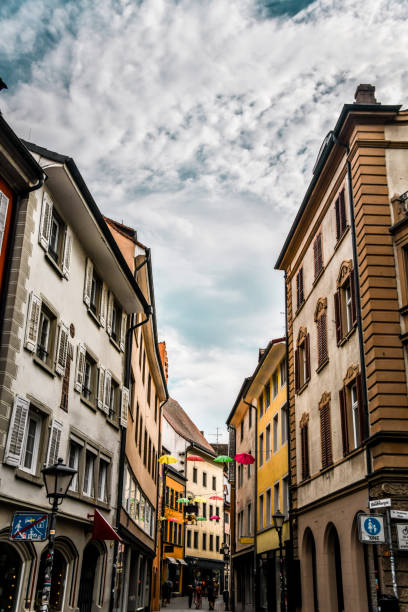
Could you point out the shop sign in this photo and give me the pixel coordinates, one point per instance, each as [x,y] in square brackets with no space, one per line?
[246,540]
[29,527]
[379,503]
[399,514]
[402,536]
[371,528]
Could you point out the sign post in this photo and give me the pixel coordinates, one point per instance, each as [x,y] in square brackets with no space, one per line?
[29,526]
[392,558]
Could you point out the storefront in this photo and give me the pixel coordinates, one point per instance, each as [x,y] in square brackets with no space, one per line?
[205,571]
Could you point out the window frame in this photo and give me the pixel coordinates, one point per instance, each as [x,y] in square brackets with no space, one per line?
[340,215]
[320,318]
[347,415]
[304,446]
[300,296]
[302,360]
[318,254]
[345,308]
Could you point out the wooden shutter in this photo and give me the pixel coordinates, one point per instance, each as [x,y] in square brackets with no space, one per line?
[107,391]
[323,333]
[337,314]
[343,418]
[338,223]
[66,260]
[297,290]
[320,251]
[305,451]
[353,297]
[315,257]
[4,202]
[88,282]
[325,435]
[33,322]
[342,211]
[319,340]
[297,371]
[80,368]
[101,381]
[124,407]
[360,408]
[123,328]
[45,223]
[62,350]
[109,313]
[301,285]
[15,437]
[54,442]
[307,349]
[102,309]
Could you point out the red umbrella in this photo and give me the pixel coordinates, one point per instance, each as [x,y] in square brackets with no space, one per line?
[245,458]
[214,517]
[216,497]
[194,458]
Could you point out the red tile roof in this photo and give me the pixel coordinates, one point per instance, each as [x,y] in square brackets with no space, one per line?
[184,426]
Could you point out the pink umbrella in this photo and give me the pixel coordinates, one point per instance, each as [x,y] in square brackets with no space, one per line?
[245,458]
[214,517]
[216,497]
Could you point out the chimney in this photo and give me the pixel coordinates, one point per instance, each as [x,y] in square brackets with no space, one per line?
[365,94]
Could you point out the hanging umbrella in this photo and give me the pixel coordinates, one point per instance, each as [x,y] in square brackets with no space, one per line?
[173,520]
[194,458]
[217,497]
[183,500]
[245,458]
[214,517]
[223,459]
[201,518]
[163,518]
[198,500]
[167,459]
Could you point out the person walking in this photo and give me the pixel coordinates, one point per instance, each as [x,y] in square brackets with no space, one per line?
[190,592]
[211,595]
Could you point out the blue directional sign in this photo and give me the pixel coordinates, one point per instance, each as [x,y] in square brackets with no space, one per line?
[371,528]
[29,526]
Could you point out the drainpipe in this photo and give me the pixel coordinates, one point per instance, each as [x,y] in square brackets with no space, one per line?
[255,561]
[159,523]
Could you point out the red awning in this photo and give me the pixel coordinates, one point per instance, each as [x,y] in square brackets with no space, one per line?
[102,530]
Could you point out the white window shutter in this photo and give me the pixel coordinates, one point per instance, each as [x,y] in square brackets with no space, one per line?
[109,314]
[33,322]
[80,368]
[54,442]
[66,260]
[88,282]
[101,387]
[4,202]
[45,223]
[15,438]
[62,350]
[102,310]
[107,391]
[123,328]
[124,407]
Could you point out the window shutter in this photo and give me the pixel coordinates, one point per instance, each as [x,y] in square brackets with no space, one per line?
[360,408]
[323,332]
[315,257]
[319,340]
[344,424]
[319,252]
[101,387]
[102,310]
[66,260]
[353,297]
[80,368]
[301,285]
[325,435]
[337,207]
[124,407]
[305,451]
[297,372]
[4,202]
[45,223]
[123,331]
[307,349]
[33,321]
[107,391]
[15,437]
[62,350]
[337,314]
[88,282]
[342,216]
[297,290]
[109,314]
[54,442]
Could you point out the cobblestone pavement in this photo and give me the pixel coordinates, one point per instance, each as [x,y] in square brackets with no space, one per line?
[177,604]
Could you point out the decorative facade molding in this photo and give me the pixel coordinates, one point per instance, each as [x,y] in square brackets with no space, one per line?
[325,399]
[351,373]
[304,420]
[301,335]
[320,307]
[345,271]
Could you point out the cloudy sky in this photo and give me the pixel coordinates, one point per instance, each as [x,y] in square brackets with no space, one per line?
[198,122]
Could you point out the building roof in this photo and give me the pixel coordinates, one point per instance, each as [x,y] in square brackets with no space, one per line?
[184,426]
[18,166]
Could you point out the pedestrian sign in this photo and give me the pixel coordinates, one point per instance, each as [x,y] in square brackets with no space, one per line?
[371,528]
[29,526]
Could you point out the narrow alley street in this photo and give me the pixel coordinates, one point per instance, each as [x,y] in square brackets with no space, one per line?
[181,603]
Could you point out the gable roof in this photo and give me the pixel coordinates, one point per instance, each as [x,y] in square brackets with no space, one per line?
[184,426]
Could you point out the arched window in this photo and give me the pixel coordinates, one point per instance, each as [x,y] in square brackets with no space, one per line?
[335,576]
[320,317]
[345,302]
[10,574]
[310,579]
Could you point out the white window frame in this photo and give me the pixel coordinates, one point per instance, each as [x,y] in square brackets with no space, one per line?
[74,486]
[90,490]
[284,424]
[282,369]
[37,437]
[267,442]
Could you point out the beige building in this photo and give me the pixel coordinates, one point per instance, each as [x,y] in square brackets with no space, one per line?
[344,263]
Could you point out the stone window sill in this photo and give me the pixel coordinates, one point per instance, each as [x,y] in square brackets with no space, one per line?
[87,403]
[43,366]
[54,265]
[322,365]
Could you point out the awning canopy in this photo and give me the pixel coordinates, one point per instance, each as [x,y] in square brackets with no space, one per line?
[102,530]
[171,560]
[182,562]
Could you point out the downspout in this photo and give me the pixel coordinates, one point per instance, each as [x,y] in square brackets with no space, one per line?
[358,302]
[255,561]
[159,523]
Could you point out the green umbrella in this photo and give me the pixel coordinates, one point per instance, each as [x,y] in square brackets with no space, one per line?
[223,459]
[183,500]
[201,518]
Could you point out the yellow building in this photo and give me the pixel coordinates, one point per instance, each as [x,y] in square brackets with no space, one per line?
[173,529]
[268,391]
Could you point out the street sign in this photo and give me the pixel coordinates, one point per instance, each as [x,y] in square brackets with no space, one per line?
[399,514]
[29,526]
[246,540]
[371,528]
[402,536]
[379,503]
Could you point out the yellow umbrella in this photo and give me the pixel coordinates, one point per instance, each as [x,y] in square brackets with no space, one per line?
[167,459]
[198,500]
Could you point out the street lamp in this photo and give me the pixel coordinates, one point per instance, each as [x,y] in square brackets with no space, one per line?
[278,520]
[57,479]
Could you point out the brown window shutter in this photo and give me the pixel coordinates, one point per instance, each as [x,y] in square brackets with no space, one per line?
[343,417]
[307,349]
[323,326]
[301,285]
[337,314]
[316,257]
[342,210]
[360,408]
[306,450]
[298,289]
[297,377]
[337,207]
[319,340]
[323,436]
[353,297]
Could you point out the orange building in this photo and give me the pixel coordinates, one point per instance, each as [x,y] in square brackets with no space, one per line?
[173,530]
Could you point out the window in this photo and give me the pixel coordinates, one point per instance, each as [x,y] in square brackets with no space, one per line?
[304,443]
[226,518]
[249,519]
[32,442]
[204,479]
[171,498]
[240,524]
[4,202]
[268,507]
[249,467]
[89,474]
[211,542]
[283,372]
[318,254]
[240,475]
[275,383]
[103,480]
[352,411]
[267,396]
[302,359]
[189,538]
[325,430]
[194,474]
[261,512]
[284,425]
[115,319]
[340,210]
[275,425]
[242,429]
[211,511]
[149,388]
[54,236]
[285,495]
[217,543]
[268,442]
[299,289]
[145,448]
[344,302]
[89,387]
[204,541]
[156,407]
[260,406]
[204,510]
[96,294]
[249,418]
[196,539]
[171,525]
[276,497]
[217,512]
[41,332]
[320,318]
[114,401]
[261,450]
[73,462]
[214,483]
